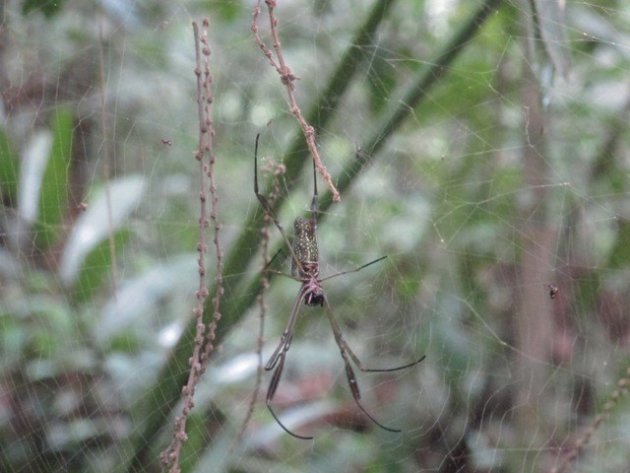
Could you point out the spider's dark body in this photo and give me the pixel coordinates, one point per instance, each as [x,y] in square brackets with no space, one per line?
[307,253]
[305,243]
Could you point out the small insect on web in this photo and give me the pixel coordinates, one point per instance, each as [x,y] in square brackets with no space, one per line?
[305,269]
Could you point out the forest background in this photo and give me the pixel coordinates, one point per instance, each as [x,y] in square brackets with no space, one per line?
[480,145]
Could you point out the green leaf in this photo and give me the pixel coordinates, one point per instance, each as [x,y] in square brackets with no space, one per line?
[12,340]
[9,170]
[53,196]
[620,255]
[47,7]
[96,267]
[86,258]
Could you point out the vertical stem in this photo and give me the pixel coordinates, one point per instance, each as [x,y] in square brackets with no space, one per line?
[107,164]
[287,78]
[202,347]
[534,317]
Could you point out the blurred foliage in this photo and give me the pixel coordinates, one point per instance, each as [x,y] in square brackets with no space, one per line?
[426,130]
[53,193]
[47,7]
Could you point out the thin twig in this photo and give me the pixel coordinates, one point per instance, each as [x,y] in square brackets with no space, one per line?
[214,206]
[277,170]
[170,457]
[622,388]
[108,164]
[288,78]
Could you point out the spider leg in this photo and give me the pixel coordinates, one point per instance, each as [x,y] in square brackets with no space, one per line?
[355,270]
[315,200]
[287,335]
[267,207]
[347,354]
[356,394]
[276,361]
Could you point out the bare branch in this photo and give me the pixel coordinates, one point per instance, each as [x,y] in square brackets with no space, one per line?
[288,78]
[276,170]
[202,346]
[582,442]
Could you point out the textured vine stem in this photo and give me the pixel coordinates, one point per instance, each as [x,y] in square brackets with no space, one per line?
[202,346]
[288,78]
[622,388]
[214,214]
[277,171]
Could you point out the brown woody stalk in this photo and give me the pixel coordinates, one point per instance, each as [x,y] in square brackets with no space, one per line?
[287,78]
[202,347]
[622,388]
[214,209]
[277,170]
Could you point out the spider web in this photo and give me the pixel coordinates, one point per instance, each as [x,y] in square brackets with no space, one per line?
[501,204]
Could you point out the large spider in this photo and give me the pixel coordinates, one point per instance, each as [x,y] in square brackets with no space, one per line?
[305,269]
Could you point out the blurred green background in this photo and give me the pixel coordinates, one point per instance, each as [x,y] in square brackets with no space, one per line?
[481,145]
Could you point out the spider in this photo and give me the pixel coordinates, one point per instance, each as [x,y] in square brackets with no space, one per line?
[305,269]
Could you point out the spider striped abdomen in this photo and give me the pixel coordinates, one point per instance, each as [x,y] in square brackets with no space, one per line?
[305,248]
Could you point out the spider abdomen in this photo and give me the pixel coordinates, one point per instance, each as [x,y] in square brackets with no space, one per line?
[304,245]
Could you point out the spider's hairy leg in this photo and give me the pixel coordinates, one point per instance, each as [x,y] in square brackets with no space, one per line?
[276,361]
[267,207]
[359,364]
[356,393]
[287,335]
[315,200]
[355,270]
[347,354]
[275,379]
